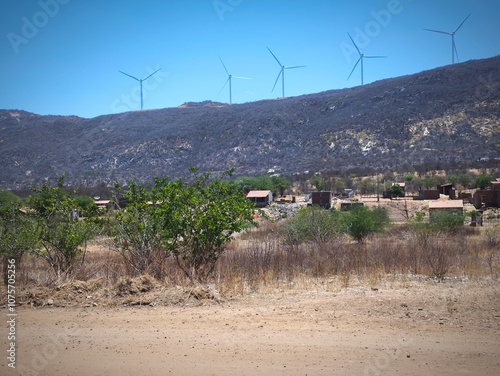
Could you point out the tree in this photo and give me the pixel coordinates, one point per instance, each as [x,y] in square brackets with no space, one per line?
[193,221]
[409,177]
[18,234]
[464,180]
[430,182]
[483,181]
[397,191]
[7,198]
[367,186]
[280,184]
[275,184]
[136,232]
[199,219]
[361,221]
[318,182]
[63,235]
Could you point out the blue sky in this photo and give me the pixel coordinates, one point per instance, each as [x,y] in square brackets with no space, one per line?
[63,57]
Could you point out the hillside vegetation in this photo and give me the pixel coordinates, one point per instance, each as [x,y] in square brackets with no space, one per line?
[437,118]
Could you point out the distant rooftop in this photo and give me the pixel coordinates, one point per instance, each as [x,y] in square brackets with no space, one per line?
[257,194]
[449,204]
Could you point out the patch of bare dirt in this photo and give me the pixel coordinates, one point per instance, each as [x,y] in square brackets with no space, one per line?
[402,327]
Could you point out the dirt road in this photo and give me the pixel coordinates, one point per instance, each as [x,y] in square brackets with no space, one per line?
[427,328]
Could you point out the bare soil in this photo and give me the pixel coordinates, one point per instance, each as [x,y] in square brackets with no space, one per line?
[416,326]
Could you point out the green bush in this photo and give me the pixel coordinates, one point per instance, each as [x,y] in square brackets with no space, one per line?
[312,224]
[361,221]
[319,225]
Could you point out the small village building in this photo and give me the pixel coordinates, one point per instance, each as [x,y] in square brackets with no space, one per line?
[260,198]
[428,194]
[450,206]
[107,205]
[322,198]
[486,198]
[447,190]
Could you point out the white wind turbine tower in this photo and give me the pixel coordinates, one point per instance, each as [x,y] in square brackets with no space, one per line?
[229,79]
[361,58]
[282,73]
[453,45]
[140,81]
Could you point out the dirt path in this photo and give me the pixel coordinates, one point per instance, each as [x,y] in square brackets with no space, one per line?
[421,329]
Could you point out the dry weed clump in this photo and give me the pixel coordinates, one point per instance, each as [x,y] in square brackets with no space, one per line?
[133,286]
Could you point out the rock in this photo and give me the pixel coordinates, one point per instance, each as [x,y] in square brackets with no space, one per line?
[50,302]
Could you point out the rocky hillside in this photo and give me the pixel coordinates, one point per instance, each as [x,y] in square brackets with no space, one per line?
[437,117]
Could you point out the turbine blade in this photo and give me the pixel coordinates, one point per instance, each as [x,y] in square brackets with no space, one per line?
[352,40]
[126,74]
[151,74]
[224,85]
[224,66]
[241,78]
[375,57]
[355,65]
[438,31]
[297,66]
[274,56]
[462,23]
[277,78]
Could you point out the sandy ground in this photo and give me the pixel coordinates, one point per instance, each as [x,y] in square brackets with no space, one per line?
[410,328]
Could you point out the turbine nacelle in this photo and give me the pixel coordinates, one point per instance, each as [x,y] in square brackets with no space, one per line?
[140,80]
[454,51]
[229,78]
[282,72]
[361,57]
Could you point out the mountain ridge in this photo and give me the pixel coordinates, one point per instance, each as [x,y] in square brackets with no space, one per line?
[446,115]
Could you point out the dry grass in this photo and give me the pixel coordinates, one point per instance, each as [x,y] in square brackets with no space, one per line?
[260,261]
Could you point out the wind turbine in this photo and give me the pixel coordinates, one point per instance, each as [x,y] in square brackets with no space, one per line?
[361,57]
[282,73]
[229,79]
[453,45]
[140,81]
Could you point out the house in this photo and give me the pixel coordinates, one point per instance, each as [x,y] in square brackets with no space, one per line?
[489,198]
[450,206]
[428,194]
[106,205]
[322,198]
[260,198]
[347,193]
[447,190]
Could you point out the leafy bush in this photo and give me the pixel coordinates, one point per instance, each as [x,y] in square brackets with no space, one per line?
[361,221]
[62,235]
[191,221]
[312,224]
[320,225]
